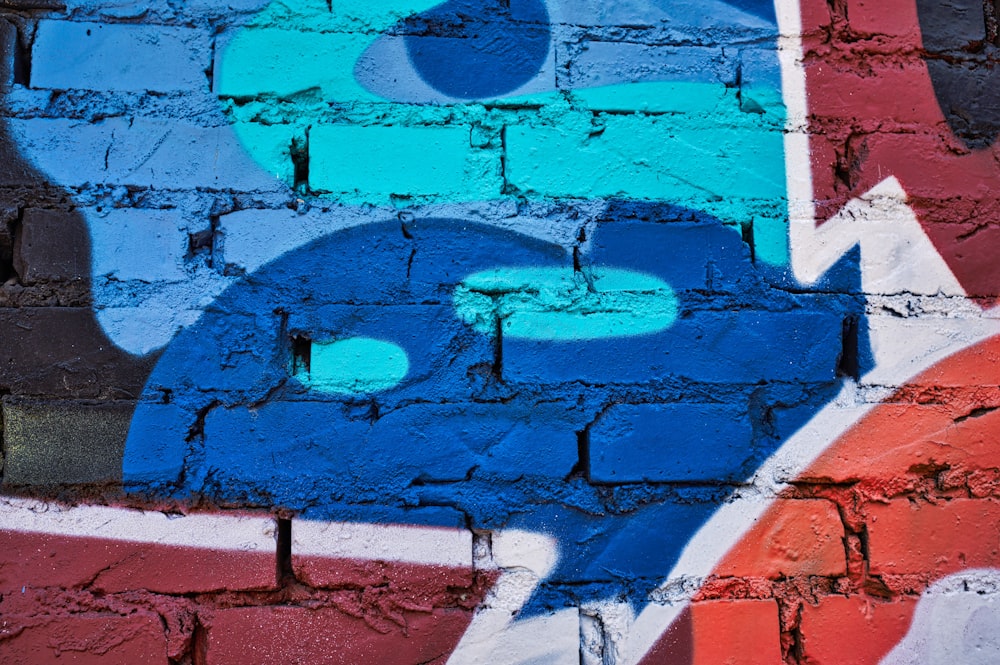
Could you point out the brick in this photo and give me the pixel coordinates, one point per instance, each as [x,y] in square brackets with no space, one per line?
[145,245]
[315,56]
[652,442]
[735,632]
[379,162]
[271,147]
[502,441]
[251,238]
[113,566]
[15,168]
[63,442]
[795,538]
[895,18]
[687,22]
[8,54]
[920,435]
[84,640]
[265,635]
[842,630]
[845,91]
[33,4]
[332,554]
[944,28]
[386,70]
[119,57]
[936,539]
[144,152]
[62,352]
[447,441]
[415,580]
[617,62]
[113,550]
[8,220]
[44,251]
[640,157]
[724,347]
[951,425]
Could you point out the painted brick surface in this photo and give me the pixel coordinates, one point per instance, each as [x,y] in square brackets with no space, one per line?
[329,635]
[88,56]
[97,549]
[86,640]
[540,331]
[806,537]
[751,629]
[874,623]
[932,539]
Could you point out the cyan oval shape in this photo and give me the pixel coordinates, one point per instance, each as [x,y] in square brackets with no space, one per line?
[561,304]
[355,365]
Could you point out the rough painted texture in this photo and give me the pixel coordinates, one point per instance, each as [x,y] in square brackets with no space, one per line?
[506,331]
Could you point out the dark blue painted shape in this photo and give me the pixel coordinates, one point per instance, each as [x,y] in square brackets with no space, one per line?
[490,437]
[480,48]
[762,8]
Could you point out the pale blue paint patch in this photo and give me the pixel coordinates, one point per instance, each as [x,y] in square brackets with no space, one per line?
[559,304]
[356,365]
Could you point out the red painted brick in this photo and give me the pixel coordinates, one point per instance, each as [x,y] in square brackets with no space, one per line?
[45,560]
[933,539]
[847,92]
[720,632]
[897,437]
[853,631]
[325,572]
[735,632]
[884,17]
[794,538]
[83,640]
[299,636]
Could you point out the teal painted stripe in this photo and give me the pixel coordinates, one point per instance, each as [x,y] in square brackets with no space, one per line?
[562,305]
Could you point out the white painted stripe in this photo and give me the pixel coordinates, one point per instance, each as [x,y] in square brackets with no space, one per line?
[383,542]
[240,533]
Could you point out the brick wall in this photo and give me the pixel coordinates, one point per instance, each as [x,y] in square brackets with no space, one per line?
[509,331]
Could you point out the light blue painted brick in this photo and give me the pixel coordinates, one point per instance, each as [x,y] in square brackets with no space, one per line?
[691,17]
[251,238]
[95,56]
[135,244]
[144,153]
[611,63]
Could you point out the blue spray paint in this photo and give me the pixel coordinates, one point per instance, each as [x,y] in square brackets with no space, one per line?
[618,445]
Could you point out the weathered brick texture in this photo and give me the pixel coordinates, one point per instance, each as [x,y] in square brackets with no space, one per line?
[499,331]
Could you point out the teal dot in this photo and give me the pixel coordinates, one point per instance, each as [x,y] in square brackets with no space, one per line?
[356,365]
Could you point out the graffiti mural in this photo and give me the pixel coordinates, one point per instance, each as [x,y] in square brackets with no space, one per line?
[500,331]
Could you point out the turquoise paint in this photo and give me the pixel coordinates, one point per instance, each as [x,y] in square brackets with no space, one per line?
[560,304]
[354,366]
[293,47]
[656,97]
[695,144]
[374,164]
